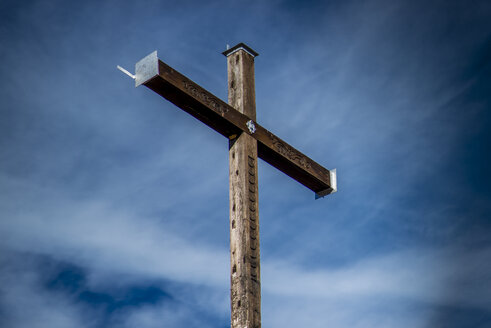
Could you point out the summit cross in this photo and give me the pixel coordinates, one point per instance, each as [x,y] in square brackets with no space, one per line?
[247,141]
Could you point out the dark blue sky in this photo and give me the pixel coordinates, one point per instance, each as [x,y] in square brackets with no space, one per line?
[114,206]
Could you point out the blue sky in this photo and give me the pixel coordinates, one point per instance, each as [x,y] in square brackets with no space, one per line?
[114,202]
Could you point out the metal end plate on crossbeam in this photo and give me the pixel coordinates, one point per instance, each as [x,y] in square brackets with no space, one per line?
[334,186]
[146,68]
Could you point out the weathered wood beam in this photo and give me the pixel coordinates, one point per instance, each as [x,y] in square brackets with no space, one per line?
[226,120]
[245,271]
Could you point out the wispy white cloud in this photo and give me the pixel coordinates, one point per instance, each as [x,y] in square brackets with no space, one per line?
[422,275]
[26,303]
[142,249]
[100,236]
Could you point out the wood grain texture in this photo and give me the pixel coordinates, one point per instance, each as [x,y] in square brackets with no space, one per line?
[245,278]
[229,121]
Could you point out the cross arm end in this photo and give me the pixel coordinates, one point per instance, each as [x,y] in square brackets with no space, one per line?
[332,189]
[146,69]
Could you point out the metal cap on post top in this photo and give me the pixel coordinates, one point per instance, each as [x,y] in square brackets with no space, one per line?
[240,46]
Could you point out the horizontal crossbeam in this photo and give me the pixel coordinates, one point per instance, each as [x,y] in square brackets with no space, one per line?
[226,120]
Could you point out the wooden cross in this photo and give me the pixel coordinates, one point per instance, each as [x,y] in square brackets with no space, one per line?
[247,141]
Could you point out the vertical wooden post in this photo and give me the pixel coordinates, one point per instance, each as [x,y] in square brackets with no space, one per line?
[244,215]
